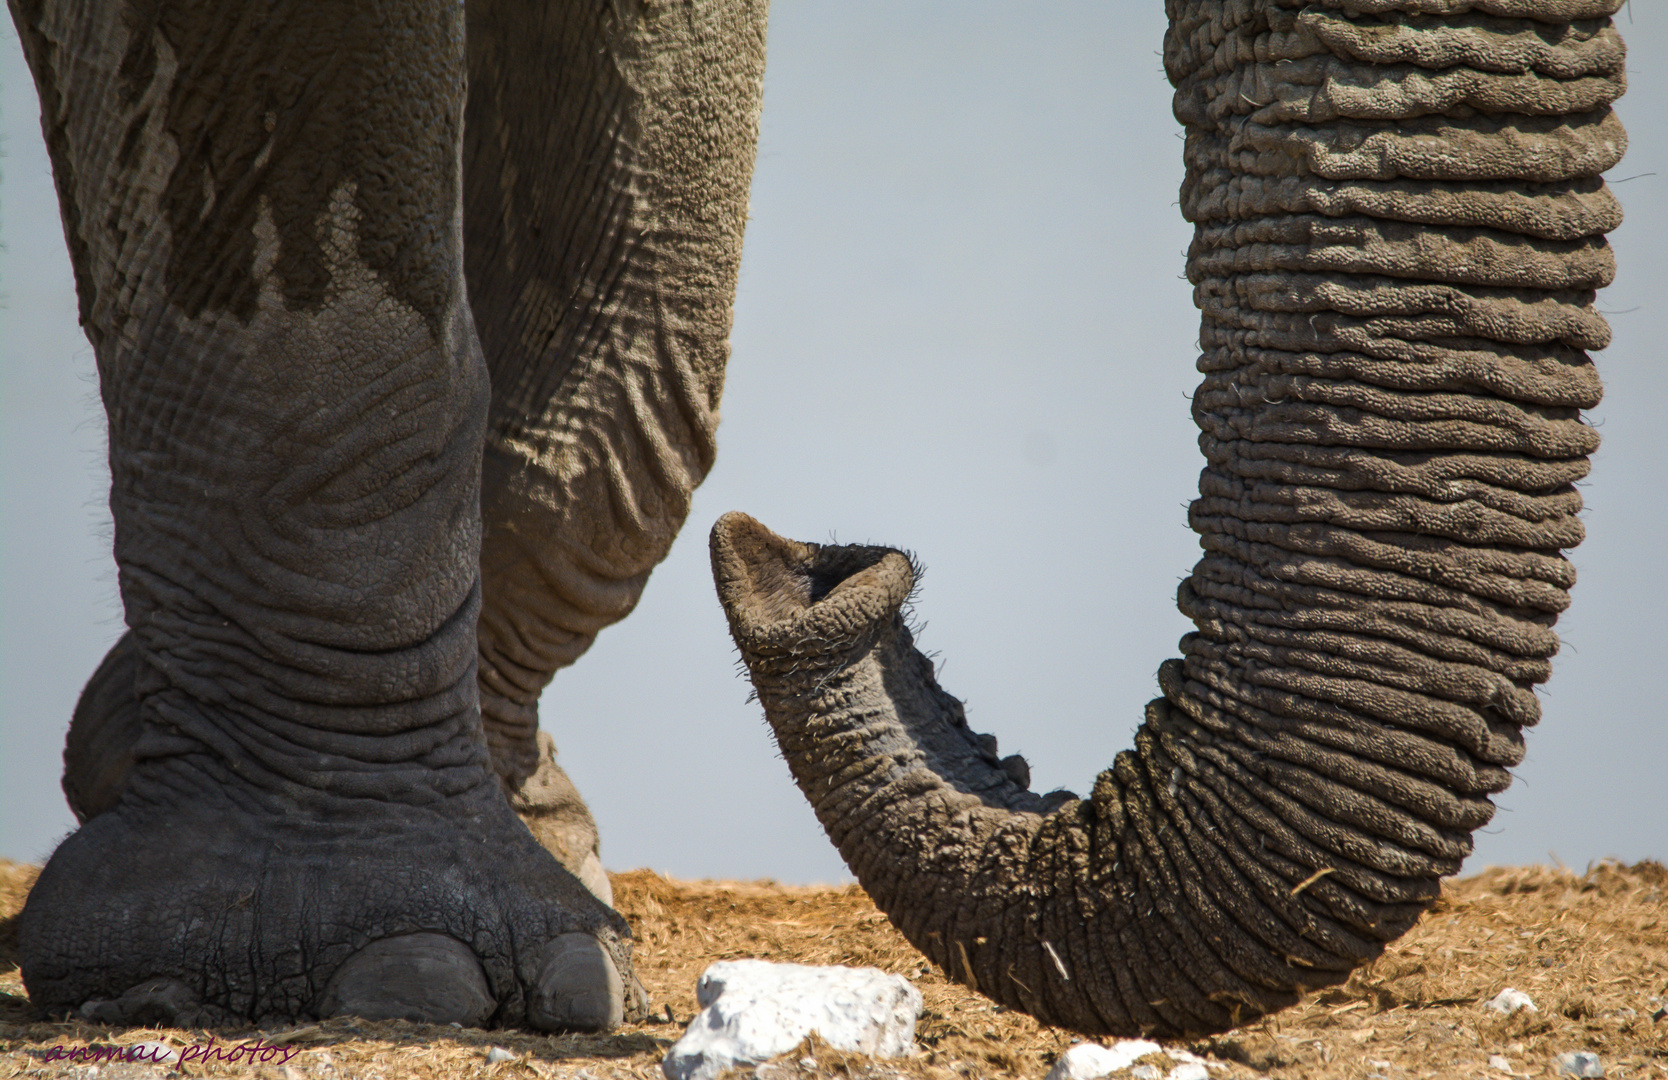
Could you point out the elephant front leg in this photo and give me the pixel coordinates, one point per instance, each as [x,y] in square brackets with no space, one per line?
[263,212]
[608,153]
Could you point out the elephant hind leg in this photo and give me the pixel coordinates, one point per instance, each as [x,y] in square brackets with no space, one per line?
[551,808]
[607,159]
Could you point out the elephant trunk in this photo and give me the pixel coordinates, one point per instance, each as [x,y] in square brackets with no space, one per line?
[1399,231]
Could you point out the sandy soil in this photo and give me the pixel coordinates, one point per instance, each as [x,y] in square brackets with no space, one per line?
[1590,949]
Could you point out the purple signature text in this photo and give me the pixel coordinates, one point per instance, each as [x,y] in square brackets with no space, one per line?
[244,1053]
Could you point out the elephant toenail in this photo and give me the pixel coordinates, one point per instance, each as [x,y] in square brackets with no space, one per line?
[578,988]
[428,978]
[156,1002]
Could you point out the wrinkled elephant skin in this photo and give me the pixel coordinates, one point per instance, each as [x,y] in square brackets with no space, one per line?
[1399,230]
[408,389]
[407,394]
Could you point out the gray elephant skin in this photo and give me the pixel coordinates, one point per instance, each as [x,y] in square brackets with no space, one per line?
[410,325]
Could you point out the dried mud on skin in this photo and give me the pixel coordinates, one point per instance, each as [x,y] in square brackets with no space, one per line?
[1590,949]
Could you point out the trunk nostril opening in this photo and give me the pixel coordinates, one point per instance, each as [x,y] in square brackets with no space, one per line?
[832,567]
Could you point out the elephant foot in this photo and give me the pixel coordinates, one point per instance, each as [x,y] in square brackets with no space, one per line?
[216,910]
[551,808]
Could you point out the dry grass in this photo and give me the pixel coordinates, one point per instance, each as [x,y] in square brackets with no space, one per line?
[1591,949]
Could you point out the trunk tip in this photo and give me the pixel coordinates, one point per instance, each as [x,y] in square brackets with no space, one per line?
[786,594]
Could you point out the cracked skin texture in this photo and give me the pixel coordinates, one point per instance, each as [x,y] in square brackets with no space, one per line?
[1399,231]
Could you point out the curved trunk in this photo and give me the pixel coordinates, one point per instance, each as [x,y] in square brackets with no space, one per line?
[1399,231]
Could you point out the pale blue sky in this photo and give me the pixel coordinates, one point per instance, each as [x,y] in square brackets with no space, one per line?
[960,330]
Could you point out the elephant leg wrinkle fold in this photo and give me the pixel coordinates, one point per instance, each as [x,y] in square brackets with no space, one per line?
[1399,220]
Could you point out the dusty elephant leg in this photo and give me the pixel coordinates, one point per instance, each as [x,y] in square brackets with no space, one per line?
[609,149]
[264,219]
[550,806]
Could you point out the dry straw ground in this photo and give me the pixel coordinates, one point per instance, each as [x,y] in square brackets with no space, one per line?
[1590,949]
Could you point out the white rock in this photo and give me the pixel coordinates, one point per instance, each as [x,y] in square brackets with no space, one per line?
[1089,1061]
[1499,1063]
[1509,1001]
[147,1053]
[1578,1063]
[1145,1072]
[1189,1070]
[752,1010]
[497,1054]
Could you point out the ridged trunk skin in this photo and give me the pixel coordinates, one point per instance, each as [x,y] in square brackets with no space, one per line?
[1399,231]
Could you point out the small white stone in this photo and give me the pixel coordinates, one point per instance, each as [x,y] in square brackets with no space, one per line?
[146,1053]
[1509,1001]
[753,1010]
[1145,1072]
[1499,1063]
[497,1054]
[1089,1061]
[1189,1070]
[1581,1064]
